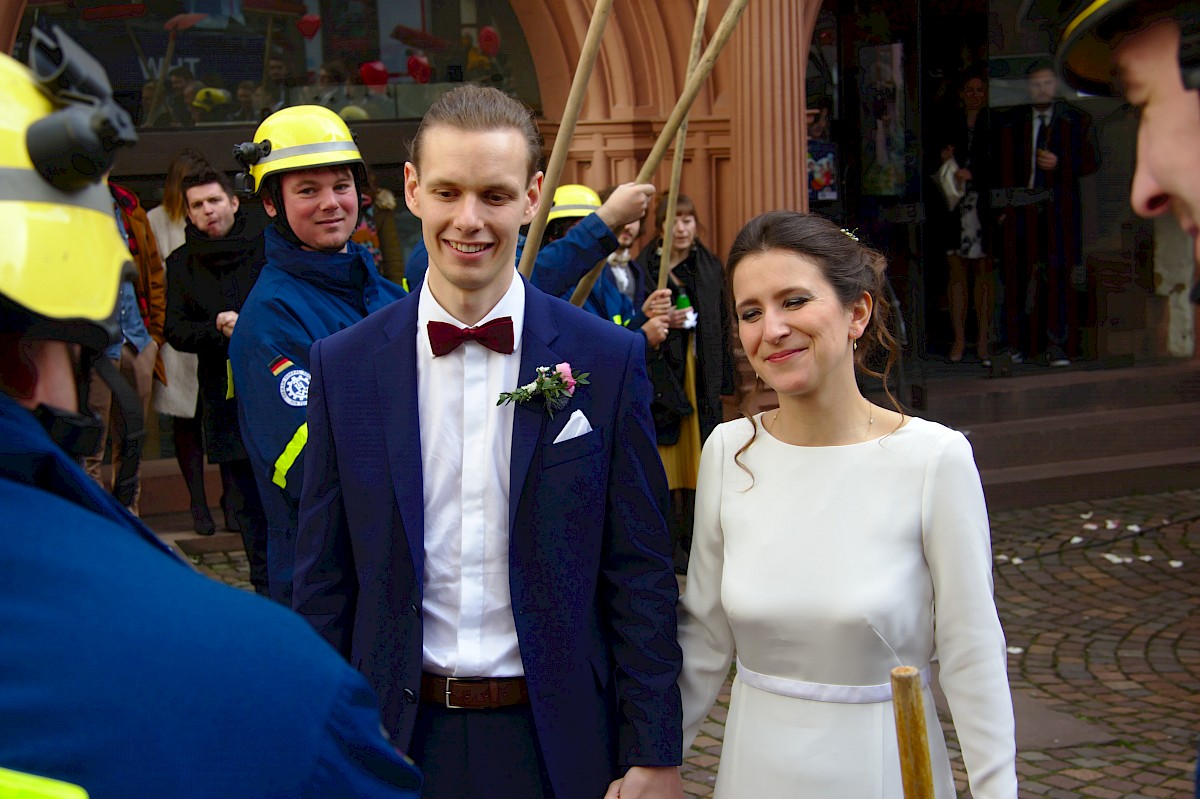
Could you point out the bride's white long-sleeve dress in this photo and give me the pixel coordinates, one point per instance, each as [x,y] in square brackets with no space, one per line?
[827,569]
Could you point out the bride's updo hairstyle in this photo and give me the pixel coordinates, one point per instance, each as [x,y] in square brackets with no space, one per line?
[851,268]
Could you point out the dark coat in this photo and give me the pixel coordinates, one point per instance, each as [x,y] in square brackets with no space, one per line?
[209,276]
[593,596]
[1071,137]
[703,278]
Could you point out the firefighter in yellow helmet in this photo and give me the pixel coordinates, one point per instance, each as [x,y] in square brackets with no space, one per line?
[308,171]
[1149,52]
[100,619]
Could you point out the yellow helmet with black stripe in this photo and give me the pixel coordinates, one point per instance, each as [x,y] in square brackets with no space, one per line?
[63,257]
[1083,34]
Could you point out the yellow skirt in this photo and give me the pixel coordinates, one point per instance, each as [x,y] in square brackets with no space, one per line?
[681,460]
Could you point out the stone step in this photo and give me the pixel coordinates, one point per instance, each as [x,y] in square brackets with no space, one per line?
[974,401]
[1083,436]
[1014,487]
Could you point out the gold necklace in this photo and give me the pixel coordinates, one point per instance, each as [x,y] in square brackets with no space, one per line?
[870,420]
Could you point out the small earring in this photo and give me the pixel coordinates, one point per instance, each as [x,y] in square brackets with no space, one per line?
[854,343]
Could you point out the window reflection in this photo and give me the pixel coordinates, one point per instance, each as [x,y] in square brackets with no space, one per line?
[195,63]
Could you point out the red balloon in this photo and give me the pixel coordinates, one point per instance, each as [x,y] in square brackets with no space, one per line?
[373,73]
[419,68]
[489,41]
[308,25]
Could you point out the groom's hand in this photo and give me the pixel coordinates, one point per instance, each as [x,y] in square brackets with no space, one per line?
[647,782]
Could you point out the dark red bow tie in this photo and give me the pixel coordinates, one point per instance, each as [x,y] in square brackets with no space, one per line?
[496,335]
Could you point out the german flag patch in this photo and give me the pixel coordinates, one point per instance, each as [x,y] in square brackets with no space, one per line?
[280,365]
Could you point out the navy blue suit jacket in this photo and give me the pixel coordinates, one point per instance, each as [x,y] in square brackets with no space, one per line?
[591,578]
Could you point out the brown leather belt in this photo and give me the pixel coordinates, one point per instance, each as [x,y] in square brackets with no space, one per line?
[475,693]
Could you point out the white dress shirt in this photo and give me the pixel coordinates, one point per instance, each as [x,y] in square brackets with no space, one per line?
[1040,119]
[466,448]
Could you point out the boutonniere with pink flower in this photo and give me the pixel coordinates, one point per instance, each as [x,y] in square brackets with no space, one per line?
[553,385]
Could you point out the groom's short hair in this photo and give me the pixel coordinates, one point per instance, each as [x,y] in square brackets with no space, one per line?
[480,109]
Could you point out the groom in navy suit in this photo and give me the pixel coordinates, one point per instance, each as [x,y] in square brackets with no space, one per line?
[499,573]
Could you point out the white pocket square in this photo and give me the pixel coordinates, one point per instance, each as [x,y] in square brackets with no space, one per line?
[576,426]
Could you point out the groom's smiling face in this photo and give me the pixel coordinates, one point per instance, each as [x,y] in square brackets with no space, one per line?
[472,195]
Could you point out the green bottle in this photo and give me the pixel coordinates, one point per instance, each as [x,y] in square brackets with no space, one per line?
[682,302]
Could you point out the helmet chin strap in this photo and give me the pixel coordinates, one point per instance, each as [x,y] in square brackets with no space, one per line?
[77,434]
[80,434]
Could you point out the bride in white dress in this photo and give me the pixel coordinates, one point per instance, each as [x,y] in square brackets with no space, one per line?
[834,540]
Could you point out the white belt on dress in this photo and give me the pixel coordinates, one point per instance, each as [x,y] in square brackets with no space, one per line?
[820,692]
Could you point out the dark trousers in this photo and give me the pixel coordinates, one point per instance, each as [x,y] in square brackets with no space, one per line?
[243,499]
[479,754]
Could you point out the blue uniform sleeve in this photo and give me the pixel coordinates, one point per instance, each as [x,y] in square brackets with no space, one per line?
[269,357]
[354,757]
[561,264]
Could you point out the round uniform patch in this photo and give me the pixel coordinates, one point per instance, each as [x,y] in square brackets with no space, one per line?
[293,387]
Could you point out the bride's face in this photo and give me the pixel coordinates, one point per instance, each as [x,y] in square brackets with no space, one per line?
[795,330]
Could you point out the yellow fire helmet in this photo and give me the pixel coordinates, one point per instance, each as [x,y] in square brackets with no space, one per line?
[297,137]
[1083,34]
[572,201]
[63,258]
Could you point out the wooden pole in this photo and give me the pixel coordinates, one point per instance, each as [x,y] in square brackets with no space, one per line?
[911,735]
[668,233]
[562,142]
[677,120]
[703,68]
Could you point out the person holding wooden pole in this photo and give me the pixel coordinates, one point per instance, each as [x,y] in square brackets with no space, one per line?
[834,540]
[693,368]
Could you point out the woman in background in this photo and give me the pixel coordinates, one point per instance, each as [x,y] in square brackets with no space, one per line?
[693,368]
[965,229]
[830,534]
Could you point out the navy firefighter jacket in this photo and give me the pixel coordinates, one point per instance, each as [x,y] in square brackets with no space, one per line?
[300,297]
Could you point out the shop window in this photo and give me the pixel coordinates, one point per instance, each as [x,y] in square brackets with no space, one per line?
[185,63]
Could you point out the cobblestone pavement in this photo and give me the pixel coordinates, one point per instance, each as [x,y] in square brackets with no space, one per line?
[1101,607]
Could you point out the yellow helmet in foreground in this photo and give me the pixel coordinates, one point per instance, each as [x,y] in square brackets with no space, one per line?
[1083,34]
[63,257]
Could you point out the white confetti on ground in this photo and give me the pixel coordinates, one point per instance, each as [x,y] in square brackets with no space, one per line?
[1076,539]
[1111,524]
[1133,528]
[1145,558]
[1127,560]
[1086,516]
[1016,650]
[1002,557]
[1091,526]
[1017,561]
[1175,564]
[1111,558]
[1166,521]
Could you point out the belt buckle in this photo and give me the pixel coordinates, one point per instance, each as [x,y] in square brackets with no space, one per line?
[449,681]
